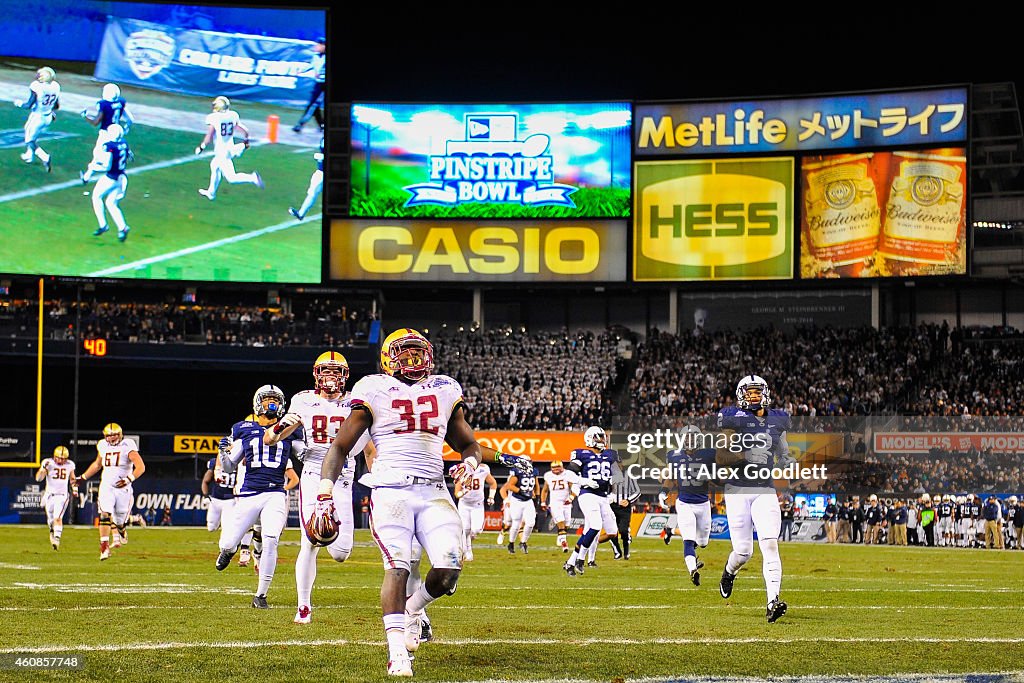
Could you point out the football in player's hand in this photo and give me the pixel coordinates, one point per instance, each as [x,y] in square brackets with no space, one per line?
[321,528]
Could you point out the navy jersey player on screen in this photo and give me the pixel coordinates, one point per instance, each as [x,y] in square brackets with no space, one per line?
[751,502]
[109,111]
[261,492]
[111,159]
[594,465]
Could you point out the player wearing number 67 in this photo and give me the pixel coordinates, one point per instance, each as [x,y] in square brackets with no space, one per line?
[320,412]
[410,414]
[261,494]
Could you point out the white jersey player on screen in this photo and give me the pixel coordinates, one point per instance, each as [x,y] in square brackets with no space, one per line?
[321,411]
[118,458]
[221,125]
[59,473]
[410,414]
[42,104]
[471,506]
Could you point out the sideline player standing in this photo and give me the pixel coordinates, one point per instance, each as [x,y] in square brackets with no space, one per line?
[320,411]
[471,505]
[118,457]
[59,473]
[261,495]
[410,414]
[42,104]
[221,125]
[751,503]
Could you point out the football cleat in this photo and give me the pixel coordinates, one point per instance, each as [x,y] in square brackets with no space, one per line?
[501,538]
[616,555]
[122,235]
[468,557]
[27,158]
[725,586]
[695,577]
[570,569]
[304,615]
[427,633]
[295,213]
[776,608]
[243,559]
[116,543]
[104,550]
[206,193]
[99,231]
[81,176]
[224,559]
[401,665]
[579,567]
[297,128]
[259,179]
[260,602]
[47,165]
[524,548]
[413,630]
[511,547]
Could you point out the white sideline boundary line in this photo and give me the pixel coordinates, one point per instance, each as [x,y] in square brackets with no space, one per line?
[135,265]
[979,677]
[462,642]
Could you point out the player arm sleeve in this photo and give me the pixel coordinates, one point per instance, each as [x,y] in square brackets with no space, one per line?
[574,466]
[229,460]
[31,101]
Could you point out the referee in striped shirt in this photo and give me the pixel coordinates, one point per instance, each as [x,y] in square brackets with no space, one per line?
[625,491]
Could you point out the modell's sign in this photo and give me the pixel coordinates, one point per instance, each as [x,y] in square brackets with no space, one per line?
[955,442]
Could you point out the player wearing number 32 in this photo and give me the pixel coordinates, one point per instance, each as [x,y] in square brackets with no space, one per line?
[121,463]
[320,412]
[261,495]
[410,414]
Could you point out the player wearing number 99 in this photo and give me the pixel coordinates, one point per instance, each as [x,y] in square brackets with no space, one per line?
[320,412]
[751,503]
[410,414]
[261,495]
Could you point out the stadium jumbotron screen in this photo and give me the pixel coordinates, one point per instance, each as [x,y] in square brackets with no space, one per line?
[161,141]
[491,160]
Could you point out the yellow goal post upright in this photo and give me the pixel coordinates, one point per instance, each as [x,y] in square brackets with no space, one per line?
[39,391]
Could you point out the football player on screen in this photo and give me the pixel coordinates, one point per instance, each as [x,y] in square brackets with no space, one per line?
[111,159]
[316,183]
[221,125]
[108,111]
[42,104]
[751,503]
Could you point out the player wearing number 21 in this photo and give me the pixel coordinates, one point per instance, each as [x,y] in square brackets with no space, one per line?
[410,414]
[320,412]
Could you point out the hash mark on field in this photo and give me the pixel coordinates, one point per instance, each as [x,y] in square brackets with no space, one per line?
[134,265]
[6,565]
[462,642]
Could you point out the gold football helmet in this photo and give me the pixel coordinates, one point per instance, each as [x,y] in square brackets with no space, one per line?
[407,354]
[221,103]
[113,433]
[330,372]
[61,454]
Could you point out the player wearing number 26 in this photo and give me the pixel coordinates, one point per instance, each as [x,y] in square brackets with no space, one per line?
[320,412]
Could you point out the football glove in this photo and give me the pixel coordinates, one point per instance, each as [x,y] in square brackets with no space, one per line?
[85,113]
[663,498]
[322,527]
[225,444]
[462,472]
[18,103]
[79,482]
[289,420]
[245,142]
[199,149]
[587,482]
[785,460]
[758,455]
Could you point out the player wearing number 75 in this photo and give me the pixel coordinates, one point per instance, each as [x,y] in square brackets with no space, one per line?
[320,412]
[261,496]
[410,415]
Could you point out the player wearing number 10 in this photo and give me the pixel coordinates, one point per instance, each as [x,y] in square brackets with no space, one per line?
[320,412]
[261,495]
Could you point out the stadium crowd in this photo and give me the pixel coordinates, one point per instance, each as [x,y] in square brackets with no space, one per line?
[532,381]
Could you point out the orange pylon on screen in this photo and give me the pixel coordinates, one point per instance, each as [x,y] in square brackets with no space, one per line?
[273,122]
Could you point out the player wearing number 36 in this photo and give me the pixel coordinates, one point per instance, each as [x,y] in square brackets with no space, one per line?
[320,412]
[410,414]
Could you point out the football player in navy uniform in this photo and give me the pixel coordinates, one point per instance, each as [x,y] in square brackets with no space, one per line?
[261,495]
[219,486]
[751,503]
[110,110]
[112,160]
[522,487]
[594,465]
[692,468]
[316,183]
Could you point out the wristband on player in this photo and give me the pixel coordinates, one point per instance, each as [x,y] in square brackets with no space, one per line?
[130,477]
[497,455]
[278,428]
[326,488]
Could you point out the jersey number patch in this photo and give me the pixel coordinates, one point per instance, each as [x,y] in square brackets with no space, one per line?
[407,413]
[321,423]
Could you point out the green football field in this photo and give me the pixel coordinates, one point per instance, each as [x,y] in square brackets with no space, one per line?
[158,611]
[246,234]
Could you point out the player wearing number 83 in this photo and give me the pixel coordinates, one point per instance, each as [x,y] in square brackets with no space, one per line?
[320,412]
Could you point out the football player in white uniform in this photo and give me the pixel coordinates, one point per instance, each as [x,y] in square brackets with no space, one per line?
[118,458]
[42,104]
[262,490]
[410,413]
[751,503]
[320,411]
[221,125]
[471,506]
[59,473]
[556,497]
[316,184]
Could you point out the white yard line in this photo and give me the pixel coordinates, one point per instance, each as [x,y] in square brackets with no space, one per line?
[971,677]
[458,642]
[134,265]
[489,608]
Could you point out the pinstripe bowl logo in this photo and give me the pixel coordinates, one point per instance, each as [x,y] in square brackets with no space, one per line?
[148,51]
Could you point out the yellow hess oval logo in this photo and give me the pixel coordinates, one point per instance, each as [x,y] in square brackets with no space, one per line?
[713,220]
